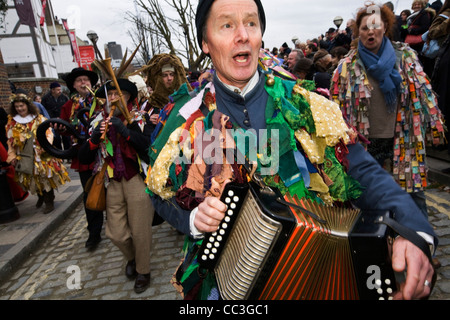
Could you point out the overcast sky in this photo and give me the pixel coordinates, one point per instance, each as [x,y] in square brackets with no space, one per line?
[305,19]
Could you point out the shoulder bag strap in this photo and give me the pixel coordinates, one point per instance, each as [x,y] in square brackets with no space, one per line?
[408,234]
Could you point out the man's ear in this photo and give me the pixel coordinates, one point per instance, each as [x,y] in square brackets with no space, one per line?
[205,47]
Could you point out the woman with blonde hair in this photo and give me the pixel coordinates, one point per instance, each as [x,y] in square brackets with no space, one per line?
[36,171]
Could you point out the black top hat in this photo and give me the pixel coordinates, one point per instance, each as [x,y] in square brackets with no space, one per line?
[77,72]
[124,84]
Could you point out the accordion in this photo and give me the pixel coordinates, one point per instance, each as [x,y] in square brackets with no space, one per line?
[266,249]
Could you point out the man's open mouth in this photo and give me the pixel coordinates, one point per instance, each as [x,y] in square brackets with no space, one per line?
[242,57]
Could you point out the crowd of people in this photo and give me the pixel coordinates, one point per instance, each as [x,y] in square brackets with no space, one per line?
[326,50]
[373,85]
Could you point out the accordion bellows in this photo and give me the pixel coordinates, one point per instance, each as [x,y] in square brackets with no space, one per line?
[268,251]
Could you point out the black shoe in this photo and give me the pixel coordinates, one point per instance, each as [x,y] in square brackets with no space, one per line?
[49,207]
[130,269]
[40,201]
[142,282]
[92,242]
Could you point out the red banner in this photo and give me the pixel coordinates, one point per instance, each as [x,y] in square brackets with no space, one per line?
[73,42]
[87,55]
[44,5]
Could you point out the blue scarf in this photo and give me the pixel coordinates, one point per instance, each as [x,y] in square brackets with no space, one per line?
[381,66]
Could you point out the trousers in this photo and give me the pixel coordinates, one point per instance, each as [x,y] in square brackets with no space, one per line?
[94,218]
[129,213]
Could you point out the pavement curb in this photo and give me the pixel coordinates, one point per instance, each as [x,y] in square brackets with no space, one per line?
[14,256]
[435,171]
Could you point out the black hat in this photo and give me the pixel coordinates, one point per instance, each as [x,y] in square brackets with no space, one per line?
[202,12]
[124,84]
[77,72]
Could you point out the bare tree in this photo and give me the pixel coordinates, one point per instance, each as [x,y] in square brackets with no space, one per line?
[141,34]
[171,33]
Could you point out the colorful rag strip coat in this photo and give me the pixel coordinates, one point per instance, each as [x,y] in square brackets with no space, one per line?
[419,120]
[49,172]
[308,123]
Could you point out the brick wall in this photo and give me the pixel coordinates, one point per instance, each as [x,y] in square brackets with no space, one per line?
[5,89]
[30,85]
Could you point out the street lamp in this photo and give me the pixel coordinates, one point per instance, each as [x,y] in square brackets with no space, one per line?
[338,21]
[92,35]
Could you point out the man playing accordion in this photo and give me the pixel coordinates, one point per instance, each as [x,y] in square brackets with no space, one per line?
[319,157]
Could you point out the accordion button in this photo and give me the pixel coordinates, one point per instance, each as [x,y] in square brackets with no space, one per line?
[233,206]
[204,257]
[211,256]
[206,251]
[219,238]
[388,282]
[214,250]
[380,291]
[231,193]
[217,244]
[227,219]
[378,283]
[222,232]
[389,290]
[230,212]
[224,225]
[211,239]
[209,245]
[236,199]
[227,200]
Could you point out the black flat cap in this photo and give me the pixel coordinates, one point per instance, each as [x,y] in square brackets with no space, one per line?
[202,12]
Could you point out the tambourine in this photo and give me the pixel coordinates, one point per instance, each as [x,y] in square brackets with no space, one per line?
[70,130]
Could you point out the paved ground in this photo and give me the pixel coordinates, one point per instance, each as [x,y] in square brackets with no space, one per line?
[42,257]
[39,254]
[50,270]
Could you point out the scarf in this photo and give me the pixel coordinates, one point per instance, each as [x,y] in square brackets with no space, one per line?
[382,67]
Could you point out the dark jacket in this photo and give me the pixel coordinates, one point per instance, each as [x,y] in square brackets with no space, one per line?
[139,141]
[3,122]
[421,22]
[53,105]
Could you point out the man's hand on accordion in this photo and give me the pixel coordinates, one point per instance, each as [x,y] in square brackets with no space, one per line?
[209,215]
[419,271]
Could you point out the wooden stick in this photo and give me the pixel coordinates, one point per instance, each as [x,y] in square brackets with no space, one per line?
[111,113]
[124,110]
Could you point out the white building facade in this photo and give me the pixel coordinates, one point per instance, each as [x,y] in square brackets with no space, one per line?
[34,51]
